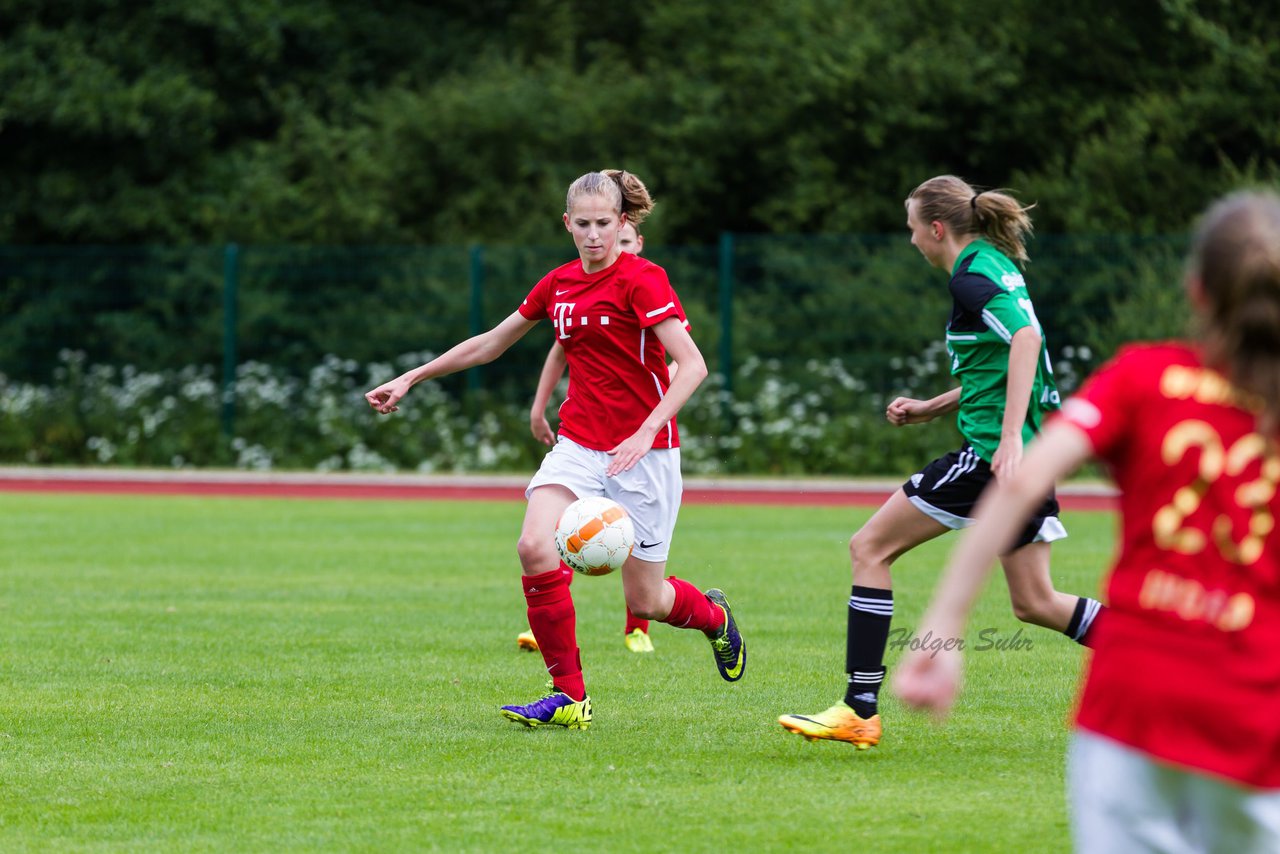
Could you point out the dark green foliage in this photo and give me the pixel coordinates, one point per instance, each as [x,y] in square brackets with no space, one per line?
[439,127]
[313,121]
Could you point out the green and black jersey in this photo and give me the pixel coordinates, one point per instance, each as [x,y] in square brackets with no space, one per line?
[991,303]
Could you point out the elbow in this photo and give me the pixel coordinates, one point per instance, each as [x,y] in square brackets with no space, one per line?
[698,371]
[486,352]
[1029,337]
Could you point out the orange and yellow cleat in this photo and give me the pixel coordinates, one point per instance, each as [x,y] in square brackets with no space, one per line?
[838,723]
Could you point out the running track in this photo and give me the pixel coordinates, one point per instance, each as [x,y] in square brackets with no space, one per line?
[803,492]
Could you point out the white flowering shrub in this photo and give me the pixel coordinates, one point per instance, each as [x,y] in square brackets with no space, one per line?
[819,417]
[826,421]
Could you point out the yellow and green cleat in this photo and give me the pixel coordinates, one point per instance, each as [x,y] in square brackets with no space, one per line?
[555,709]
[638,641]
[727,644]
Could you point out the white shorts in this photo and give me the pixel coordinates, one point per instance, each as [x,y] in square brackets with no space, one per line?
[650,492]
[1122,800]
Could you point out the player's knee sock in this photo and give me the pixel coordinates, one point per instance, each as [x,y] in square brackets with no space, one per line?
[692,609]
[634,622]
[1083,620]
[554,624]
[870,612]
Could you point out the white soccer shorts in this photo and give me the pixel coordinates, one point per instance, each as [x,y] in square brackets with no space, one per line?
[1123,801]
[650,492]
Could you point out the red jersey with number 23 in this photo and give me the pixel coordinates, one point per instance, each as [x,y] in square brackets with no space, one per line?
[617,365]
[1186,663]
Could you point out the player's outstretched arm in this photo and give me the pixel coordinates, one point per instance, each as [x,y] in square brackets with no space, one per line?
[908,410]
[930,679]
[693,370]
[552,370]
[476,350]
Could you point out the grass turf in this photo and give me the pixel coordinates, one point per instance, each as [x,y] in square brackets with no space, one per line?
[233,674]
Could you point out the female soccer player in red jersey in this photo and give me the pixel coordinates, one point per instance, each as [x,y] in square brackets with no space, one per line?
[635,632]
[616,316]
[998,354]
[1177,743]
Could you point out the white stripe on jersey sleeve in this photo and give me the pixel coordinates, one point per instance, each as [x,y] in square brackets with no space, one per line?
[996,326]
[657,384]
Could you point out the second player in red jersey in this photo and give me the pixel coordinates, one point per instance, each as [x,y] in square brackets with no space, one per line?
[1194,588]
[1177,743]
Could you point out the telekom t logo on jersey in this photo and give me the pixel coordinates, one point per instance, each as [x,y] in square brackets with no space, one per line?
[564,318]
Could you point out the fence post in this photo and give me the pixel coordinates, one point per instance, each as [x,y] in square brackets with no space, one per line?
[474,376]
[230,318]
[726,309]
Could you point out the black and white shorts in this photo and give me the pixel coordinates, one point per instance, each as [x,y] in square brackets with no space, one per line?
[947,489]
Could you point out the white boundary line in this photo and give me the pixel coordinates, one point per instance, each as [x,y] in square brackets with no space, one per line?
[54,474]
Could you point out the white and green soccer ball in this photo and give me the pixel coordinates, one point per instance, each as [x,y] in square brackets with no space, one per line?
[594,535]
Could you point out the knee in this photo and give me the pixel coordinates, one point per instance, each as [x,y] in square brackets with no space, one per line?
[645,604]
[1023,610]
[1035,608]
[537,554]
[645,609]
[865,552]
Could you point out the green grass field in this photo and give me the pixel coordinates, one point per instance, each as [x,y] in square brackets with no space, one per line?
[232,674]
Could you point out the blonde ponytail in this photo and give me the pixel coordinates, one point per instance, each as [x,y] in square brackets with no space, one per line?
[1235,257]
[628,192]
[993,214]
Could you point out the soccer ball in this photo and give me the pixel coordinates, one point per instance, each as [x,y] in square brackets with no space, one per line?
[594,535]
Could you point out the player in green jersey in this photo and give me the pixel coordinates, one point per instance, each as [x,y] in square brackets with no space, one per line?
[998,354]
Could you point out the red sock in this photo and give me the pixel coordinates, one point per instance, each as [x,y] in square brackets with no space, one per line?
[692,609]
[634,622]
[554,624]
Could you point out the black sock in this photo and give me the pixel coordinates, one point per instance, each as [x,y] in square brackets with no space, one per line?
[870,612]
[1086,614]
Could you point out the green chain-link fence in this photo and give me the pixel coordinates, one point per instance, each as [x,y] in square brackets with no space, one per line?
[864,312]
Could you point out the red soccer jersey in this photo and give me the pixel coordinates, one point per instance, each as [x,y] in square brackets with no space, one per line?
[1187,659]
[617,365]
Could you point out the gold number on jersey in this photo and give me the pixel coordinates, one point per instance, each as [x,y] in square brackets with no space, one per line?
[1168,524]
[1255,495]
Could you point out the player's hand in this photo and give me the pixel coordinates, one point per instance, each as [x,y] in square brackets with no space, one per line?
[929,679]
[907,410]
[541,429]
[385,397]
[1007,458]
[628,453]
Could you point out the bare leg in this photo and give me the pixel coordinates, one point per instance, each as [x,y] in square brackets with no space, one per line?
[895,529]
[648,594]
[549,603]
[537,545]
[1031,592]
